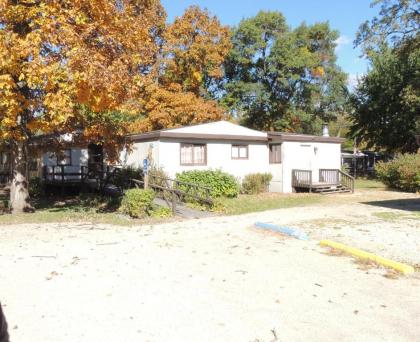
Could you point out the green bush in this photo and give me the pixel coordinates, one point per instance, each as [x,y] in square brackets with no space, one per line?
[221,183]
[161,212]
[256,183]
[403,172]
[137,203]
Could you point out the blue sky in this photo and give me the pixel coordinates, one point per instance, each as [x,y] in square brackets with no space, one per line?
[343,15]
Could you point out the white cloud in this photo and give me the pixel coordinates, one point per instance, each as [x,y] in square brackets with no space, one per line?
[341,41]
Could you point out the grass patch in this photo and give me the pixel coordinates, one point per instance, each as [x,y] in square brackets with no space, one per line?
[387,215]
[364,183]
[87,209]
[52,216]
[391,216]
[254,203]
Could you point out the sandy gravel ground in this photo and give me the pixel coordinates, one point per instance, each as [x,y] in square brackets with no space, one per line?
[214,279]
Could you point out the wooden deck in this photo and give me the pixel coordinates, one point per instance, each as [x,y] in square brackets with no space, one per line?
[328,181]
[317,185]
[81,178]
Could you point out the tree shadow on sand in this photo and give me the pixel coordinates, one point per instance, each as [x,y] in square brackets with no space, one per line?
[408,204]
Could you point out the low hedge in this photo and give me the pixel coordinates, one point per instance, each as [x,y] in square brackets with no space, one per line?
[256,183]
[137,203]
[402,173]
[221,183]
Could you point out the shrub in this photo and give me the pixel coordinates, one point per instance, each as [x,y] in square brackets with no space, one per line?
[137,203]
[221,183]
[158,176]
[256,183]
[161,212]
[403,172]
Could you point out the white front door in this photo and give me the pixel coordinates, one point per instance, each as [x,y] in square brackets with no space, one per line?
[307,160]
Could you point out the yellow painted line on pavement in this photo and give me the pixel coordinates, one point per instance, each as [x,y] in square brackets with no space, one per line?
[403,268]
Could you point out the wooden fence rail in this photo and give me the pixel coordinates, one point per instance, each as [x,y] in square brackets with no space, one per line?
[174,191]
[198,192]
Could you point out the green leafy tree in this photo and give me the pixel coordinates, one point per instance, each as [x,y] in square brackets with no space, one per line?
[398,21]
[283,79]
[386,103]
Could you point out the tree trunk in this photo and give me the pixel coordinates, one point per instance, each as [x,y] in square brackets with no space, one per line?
[19,189]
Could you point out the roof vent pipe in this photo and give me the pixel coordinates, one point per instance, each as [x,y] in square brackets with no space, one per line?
[325,131]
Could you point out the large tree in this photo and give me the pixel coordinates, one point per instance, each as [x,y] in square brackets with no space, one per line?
[283,79]
[67,66]
[397,22]
[386,102]
[101,69]
[193,49]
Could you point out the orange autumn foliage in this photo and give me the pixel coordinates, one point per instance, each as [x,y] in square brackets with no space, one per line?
[171,107]
[97,68]
[66,65]
[59,56]
[196,45]
[194,49]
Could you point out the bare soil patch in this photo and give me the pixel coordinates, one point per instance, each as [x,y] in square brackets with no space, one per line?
[213,279]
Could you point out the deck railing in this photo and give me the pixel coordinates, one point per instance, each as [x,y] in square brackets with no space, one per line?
[4,178]
[329,176]
[302,178]
[346,180]
[335,176]
[59,174]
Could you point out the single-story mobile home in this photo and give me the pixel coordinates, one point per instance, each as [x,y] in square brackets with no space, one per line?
[294,160]
[236,150]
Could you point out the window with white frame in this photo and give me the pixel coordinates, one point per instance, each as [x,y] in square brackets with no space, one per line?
[61,158]
[193,154]
[239,151]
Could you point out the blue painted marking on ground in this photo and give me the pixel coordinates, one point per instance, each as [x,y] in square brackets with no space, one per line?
[285,230]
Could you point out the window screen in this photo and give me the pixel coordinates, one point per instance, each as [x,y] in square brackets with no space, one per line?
[239,151]
[275,154]
[193,154]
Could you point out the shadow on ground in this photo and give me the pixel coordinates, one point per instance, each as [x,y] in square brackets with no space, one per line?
[409,204]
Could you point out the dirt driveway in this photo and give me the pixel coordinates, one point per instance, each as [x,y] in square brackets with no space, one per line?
[215,279]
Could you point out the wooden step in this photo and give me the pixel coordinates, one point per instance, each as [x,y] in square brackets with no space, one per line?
[332,189]
[336,191]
